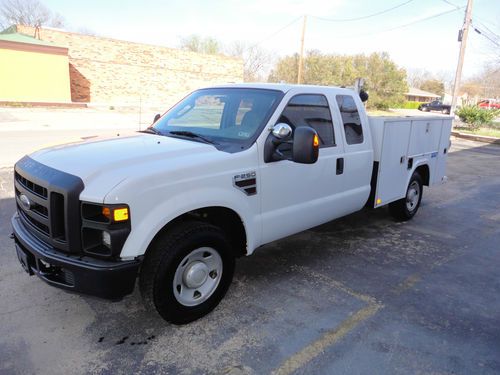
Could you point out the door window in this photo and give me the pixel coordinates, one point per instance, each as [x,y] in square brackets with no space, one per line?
[310,110]
[350,118]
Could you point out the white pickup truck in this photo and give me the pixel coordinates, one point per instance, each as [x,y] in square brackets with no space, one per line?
[226,170]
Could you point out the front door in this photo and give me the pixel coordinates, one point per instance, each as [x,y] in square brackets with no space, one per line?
[299,196]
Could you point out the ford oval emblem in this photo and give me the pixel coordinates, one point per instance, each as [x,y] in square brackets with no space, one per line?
[25,201]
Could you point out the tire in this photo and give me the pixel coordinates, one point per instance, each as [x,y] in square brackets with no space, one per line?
[405,208]
[424,109]
[186,272]
[445,111]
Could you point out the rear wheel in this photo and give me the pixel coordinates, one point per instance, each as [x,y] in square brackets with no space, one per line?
[405,208]
[187,272]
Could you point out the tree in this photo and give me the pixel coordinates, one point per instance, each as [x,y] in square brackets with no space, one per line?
[418,77]
[196,43]
[28,12]
[255,60]
[486,84]
[433,85]
[384,80]
[285,70]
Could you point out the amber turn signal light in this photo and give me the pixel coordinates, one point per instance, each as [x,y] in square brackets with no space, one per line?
[116,214]
[120,214]
[315,140]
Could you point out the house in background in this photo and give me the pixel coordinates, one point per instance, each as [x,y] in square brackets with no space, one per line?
[32,70]
[462,100]
[417,95]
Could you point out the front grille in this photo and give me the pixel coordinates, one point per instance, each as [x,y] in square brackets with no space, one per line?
[36,224]
[31,186]
[37,214]
[35,207]
[48,204]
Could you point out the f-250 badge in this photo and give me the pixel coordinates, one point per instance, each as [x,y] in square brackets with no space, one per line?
[246,182]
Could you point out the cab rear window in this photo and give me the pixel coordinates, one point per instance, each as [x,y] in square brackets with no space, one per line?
[350,119]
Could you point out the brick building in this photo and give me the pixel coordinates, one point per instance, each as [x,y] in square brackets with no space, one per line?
[117,72]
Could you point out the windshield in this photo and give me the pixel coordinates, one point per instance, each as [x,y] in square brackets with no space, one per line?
[221,115]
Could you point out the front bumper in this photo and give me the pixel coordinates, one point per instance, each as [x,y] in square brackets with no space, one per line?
[101,278]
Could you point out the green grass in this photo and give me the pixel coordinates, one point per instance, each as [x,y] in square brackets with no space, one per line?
[16,105]
[495,125]
[487,131]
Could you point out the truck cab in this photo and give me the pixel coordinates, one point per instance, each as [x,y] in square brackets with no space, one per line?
[223,172]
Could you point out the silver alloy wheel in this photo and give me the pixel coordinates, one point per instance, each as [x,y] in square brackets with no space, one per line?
[412,196]
[197,276]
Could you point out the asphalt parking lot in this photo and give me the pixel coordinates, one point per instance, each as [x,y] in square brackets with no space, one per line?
[358,295]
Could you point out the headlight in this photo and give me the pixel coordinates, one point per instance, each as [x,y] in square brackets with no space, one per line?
[106,239]
[104,228]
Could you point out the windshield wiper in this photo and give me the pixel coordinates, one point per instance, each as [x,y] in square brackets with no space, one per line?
[151,130]
[189,134]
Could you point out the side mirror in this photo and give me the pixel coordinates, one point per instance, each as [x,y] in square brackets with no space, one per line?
[157,117]
[305,145]
[363,95]
[282,130]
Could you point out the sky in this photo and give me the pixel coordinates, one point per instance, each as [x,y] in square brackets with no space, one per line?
[276,25]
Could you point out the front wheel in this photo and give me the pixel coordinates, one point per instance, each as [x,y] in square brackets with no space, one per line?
[405,208]
[187,271]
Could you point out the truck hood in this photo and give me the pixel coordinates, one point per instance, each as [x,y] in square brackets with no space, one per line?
[103,163]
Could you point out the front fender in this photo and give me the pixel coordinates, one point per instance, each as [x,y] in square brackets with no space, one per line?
[150,220]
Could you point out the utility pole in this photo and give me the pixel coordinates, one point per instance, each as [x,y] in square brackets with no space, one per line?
[462,37]
[301,56]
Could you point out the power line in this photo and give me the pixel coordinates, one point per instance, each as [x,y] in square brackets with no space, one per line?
[477,30]
[484,21]
[364,34]
[277,31]
[362,17]
[404,25]
[487,29]
[452,4]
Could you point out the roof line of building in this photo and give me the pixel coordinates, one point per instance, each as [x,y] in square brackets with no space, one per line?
[41,29]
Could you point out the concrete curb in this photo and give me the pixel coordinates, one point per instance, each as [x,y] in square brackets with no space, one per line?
[9,104]
[477,138]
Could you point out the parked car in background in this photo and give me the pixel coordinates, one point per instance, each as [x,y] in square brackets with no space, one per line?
[436,105]
[489,103]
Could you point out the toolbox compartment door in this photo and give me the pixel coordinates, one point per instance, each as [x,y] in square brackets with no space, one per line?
[393,172]
[424,138]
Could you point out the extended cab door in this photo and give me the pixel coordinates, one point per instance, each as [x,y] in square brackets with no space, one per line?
[358,150]
[299,196]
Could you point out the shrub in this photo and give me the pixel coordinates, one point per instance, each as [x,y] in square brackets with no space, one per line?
[474,116]
[411,105]
[408,105]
